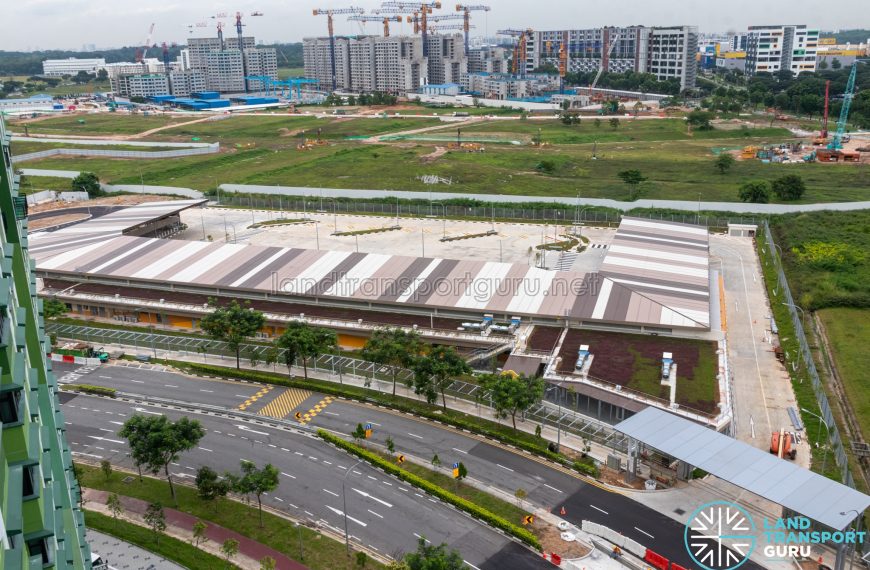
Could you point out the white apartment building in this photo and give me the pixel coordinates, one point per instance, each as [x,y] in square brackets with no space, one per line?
[489,59]
[71,66]
[184,83]
[199,48]
[506,86]
[148,65]
[260,61]
[671,55]
[446,58]
[774,48]
[224,71]
[142,85]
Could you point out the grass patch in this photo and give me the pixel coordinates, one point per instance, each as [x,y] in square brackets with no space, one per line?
[31,184]
[97,124]
[848,332]
[25,147]
[170,548]
[321,553]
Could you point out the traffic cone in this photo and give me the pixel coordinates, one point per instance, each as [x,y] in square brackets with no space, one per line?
[562,511]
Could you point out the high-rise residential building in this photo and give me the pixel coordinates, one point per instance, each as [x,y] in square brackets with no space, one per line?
[489,59]
[774,48]
[185,83]
[41,525]
[226,65]
[667,53]
[446,58]
[224,71]
[369,63]
[199,48]
[71,66]
[141,85]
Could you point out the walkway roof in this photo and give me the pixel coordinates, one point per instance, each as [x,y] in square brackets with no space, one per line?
[748,467]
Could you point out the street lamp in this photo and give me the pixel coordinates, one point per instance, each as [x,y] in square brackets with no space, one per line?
[818,435]
[857,530]
[803,314]
[344,505]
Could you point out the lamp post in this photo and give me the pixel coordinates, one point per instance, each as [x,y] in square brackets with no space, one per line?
[344,506]
[857,530]
[803,314]
[818,435]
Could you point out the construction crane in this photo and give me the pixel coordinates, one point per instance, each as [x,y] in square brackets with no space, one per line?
[385,20]
[520,48]
[424,8]
[563,61]
[142,52]
[466,10]
[446,27]
[241,46]
[604,63]
[256,13]
[220,30]
[837,142]
[329,15]
[167,69]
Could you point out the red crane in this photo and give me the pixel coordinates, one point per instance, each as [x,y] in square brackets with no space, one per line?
[143,51]
[827,99]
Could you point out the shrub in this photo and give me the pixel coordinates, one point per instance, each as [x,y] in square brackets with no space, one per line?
[755,191]
[789,187]
[590,469]
[90,389]
[434,490]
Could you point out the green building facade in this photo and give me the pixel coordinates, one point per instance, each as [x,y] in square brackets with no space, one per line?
[41,525]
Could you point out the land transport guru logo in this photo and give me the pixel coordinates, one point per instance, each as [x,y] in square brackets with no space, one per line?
[722,535]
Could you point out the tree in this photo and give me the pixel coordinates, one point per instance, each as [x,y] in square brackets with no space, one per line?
[633,178]
[597,122]
[463,472]
[300,339]
[431,557]
[755,191]
[436,461]
[52,308]
[391,445]
[512,394]
[268,563]
[232,324]
[394,348]
[209,485]
[835,63]
[156,441]
[724,162]
[102,74]
[700,120]
[789,187]
[87,182]
[199,536]
[361,559]
[434,372]
[257,481]
[155,518]
[106,468]
[230,548]
[359,433]
[614,123]
[113,503]
[82,77]
[520,494]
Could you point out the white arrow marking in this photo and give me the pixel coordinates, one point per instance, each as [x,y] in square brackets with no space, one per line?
[372,497]
[98,438]
[144,411]
[246,428]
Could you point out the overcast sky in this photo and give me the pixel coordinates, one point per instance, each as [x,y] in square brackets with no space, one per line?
[68,24]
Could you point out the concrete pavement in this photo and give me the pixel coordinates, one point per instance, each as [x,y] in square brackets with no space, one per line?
[122,555]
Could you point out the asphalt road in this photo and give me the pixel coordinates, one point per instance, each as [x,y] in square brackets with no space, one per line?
[94,211]
[493,465]
[383,513]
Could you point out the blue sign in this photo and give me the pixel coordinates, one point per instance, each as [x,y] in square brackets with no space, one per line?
[368,426]
[456,466]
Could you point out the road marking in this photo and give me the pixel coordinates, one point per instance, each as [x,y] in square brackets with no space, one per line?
[297,453]
[370,477]
[459,451]
[310,514]
[87,454]
[191,468]
[423,538]
[137,381]
[100,448]
[332,413]
[372,497]
[330,492]
[403,489]
[292,505]
[250,400]
[106,377]
[278,499]
[342,467]
[143,411]
[645,532]
[216,431]
[204,390]
[551,487]
[375,424]
[231,434]
[240,396]
[503,467]
[312,458]
[473,567]
[285,449]
[387,483]
[325,462]
[206,449]
[99,438]
[104,429]
[597,509]
[415,435]
[284,404]
[374,513]
[341,514]
[170,386]
[273,445]
[246,428]
[116,423]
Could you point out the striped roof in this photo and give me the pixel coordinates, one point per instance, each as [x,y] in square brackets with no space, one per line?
[656,282]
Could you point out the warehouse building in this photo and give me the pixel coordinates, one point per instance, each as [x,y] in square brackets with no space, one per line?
[41,525]
[71,66]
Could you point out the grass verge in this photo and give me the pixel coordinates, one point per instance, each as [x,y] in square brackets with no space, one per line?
[436,491]
[321,553]
[170,548]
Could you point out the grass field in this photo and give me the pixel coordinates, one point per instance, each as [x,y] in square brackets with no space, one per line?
[30,184]
[678,166]
[848,333]
[320,553]
[97,124]
[24,147]
[285,72]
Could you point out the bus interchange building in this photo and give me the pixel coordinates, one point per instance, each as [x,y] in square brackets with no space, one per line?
[654,280]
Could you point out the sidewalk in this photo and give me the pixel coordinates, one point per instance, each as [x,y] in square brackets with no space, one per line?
[180,525]
[122,555]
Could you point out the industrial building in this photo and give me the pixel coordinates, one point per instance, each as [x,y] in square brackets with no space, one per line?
[667,53]
[41,525]
[71,66]
[773,48]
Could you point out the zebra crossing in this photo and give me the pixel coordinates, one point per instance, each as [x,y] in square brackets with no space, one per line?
[287,401]
[598,246]
[566,261]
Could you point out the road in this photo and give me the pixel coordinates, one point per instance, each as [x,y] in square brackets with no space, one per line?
[383,513]
[494,465]
[94,211]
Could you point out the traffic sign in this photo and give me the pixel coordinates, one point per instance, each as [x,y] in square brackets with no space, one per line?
[528,519]
[368,428]
[400,458]
[456,465]
[298,416]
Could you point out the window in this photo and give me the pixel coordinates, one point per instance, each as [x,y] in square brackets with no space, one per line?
[41,547]
[10,406]
[29,488]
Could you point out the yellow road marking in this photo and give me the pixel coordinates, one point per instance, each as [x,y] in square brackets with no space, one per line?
[244,405]
[318,407]
[284,403]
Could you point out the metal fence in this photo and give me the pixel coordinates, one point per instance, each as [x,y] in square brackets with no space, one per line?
[806,358]
[210,149]
[374,376]
[564,215]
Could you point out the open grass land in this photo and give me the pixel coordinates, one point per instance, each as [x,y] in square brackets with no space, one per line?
[30,184]
[848,332]
[285,72]
[24,147]
[97,124]
[320,553]
[635,362]
[679,166]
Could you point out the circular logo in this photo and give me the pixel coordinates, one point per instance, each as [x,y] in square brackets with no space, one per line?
[720,536]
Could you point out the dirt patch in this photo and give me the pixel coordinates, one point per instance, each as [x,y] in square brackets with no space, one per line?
[434,155]
[56,220]
[126,200]
[285,132]
[617,479]
[551,541]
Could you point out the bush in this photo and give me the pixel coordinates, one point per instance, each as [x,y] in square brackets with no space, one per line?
[789,187]
[91,389]
[590,469]
[434,490]
[755,191]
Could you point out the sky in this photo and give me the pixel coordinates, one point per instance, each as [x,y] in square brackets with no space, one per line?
[70,24]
